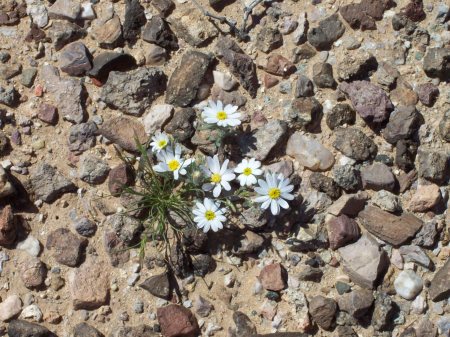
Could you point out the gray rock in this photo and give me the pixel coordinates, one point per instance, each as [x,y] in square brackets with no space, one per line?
[186,79]
[8,96]
[356,65]
[304,87]
[233,97]
[254,218]
[383,312]
[124,132]
[134,20]
[308,273]
[405,154]
[428,93]
[303,112]
[354,144]
[65,10]
[440,284]
[433,164]
[21,328]
[436,63]
[403,124]
[377,177]
[323,75]
[93,170]
[158,32]
[62,33]
[386,75]
[82,137]
[426,237]
[75,59]
[27,77]
[268,39]
[347,177]
[134,91]
[85,227]
[244,326]
[109,34]
[328,31]
[67,248]
[202,264]
[411,253]
[340,114]
[323,311]
[325,184]
[85,330]
[32,272]
[387,201]
[48,184]
[408,284]
[158,285]
[126,227]
[357,303]
[203,307]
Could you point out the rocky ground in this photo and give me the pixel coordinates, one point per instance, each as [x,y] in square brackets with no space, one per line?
[351,100]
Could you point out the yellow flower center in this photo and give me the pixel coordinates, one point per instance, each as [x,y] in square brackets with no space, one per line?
[173,165]
[216,178]
[274,193]
[221,115]
[162,143]
[210,215]
[247,171]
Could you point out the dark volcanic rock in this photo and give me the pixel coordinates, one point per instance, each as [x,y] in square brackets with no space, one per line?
[403,123]
[405,154]
[414,10]
[158,285]
[85,330]
[21,328]
[436,63]
[75,59]
[82,137]
[106,62]
[8,229]
[134,20]
[325,184]
[304,87]
[440,284]
[323,75]
[354,144]
[48,184]
[119,177]
[328,31]
[433,164]
[303,112]
[268,39]
[357,303]
[323,310]
[157,31]
[186,79]
[340,114]
[181,125]
[428,93]
[67,247]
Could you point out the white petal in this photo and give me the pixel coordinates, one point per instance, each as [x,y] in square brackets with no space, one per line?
[266,204]
[226,185]
[262,198]
[274,207]
[283,203]
[217,190]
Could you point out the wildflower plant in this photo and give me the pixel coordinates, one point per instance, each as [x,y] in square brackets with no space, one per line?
[201,191]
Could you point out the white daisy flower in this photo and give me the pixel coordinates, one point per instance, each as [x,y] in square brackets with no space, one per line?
[170,161]
[248,169]
[274,191]
[216,113]
[159,141]
[219,176]
[209,215]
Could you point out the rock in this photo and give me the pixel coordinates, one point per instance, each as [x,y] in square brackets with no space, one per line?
[377,177]
[32,312]
[370,101]
[85,227]
[67,247]
[134,20]
[105,62]
[244,326]
[270,81]
[185,81]
[299,34]
[425,198]
[6,188]
[31,245]
[323,75]
[85,330]
[134,91]
[408,284]
[357,303]
[341,231]
[364,261]
[341,114]
[403,124]
[328,31]
[89,285]
[356,65]
[21,328]
[364,14]
[309,152]
[157,117]
[202,264]
[10,307]
[93,170]
[125,226]
[383,312]
[250,243]
[279,65]
[69,106]
[8,228]
[426,328]
[233,98]
[323,310]
[433,164]
[75,59]
[444,127]
[62,33]
[48,114]
[414,10]
[239,64]
[254,218]
[181,126]
[158,32]
[82,137]
[135,331]
[260,144]
[388,227]
[8,96]
[426,237]
[224,81]
[48,184]
[325,184]
[436,63]
[405,154]
[9,71]
[32,272]
[119,177]
[164,7]
[411,253]
[176,320]
[308,273]
[304,52]
[387,201]
[123,131]
[303,112]
[354,144]
[158,285]
[346,177]
[304,87]
[428,93]
[65,10]
[27,77]
[196,35]
[440,284]
[273,277]
[154,55]
[202,306]
[109,33]
[268,39]
[116,249]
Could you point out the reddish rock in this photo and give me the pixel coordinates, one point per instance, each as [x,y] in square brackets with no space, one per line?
[177,321]
[428,93]
[414,10]
[118,178]
[425,198]
[270,81]
[279,65]
[349,204]
[7,226]
[323,310]
[48,114]
[405,180]
[273,277]
[123,131]
[66,246]
[32,272]
[363,15]
[342,230]
[440,284]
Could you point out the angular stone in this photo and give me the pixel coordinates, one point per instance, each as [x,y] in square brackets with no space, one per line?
[341,231]
[134,20]
[181,124]
[244,326]
[67,247]
[185,81]
[158,285]
[325,184]
[65,10]
[340,114]
[123,131]
[436,63]
[405,154]
[323,310]
[92,169]
[48,114]
[428,93]
[62,33]
[299,34]
[105,62]
[304,87]
[328,31]
[403,124]
[8,228]
[158,32]
[134,91]
[6,188]
[384,312]
[125,226]
[357,303]
[388,227]
[85,330]
[268,39]
[411,253]
[202,307]
[48,184]
[347,177]
[356,65]
[363,15]
[28,76]
[119,177]
[408,284]
[239,64]
[309,152]
[21,328]
[135,331]
[75,59]
[154,55]
[425,198]
[8,96]
[323,75]
[303,112]
[224,81]
[85,227]
[273,277]
[157,117]
[109,33]
[89,285]
[364,261]
[177,321]
[10,307]
[403,94]
[354,144]
[32,272]
[233,97]
[370,101]
[279,65]
[414,10]
[433,164]
[377,177]
[82,137]
[440,284]
[164,7]
[9,71]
